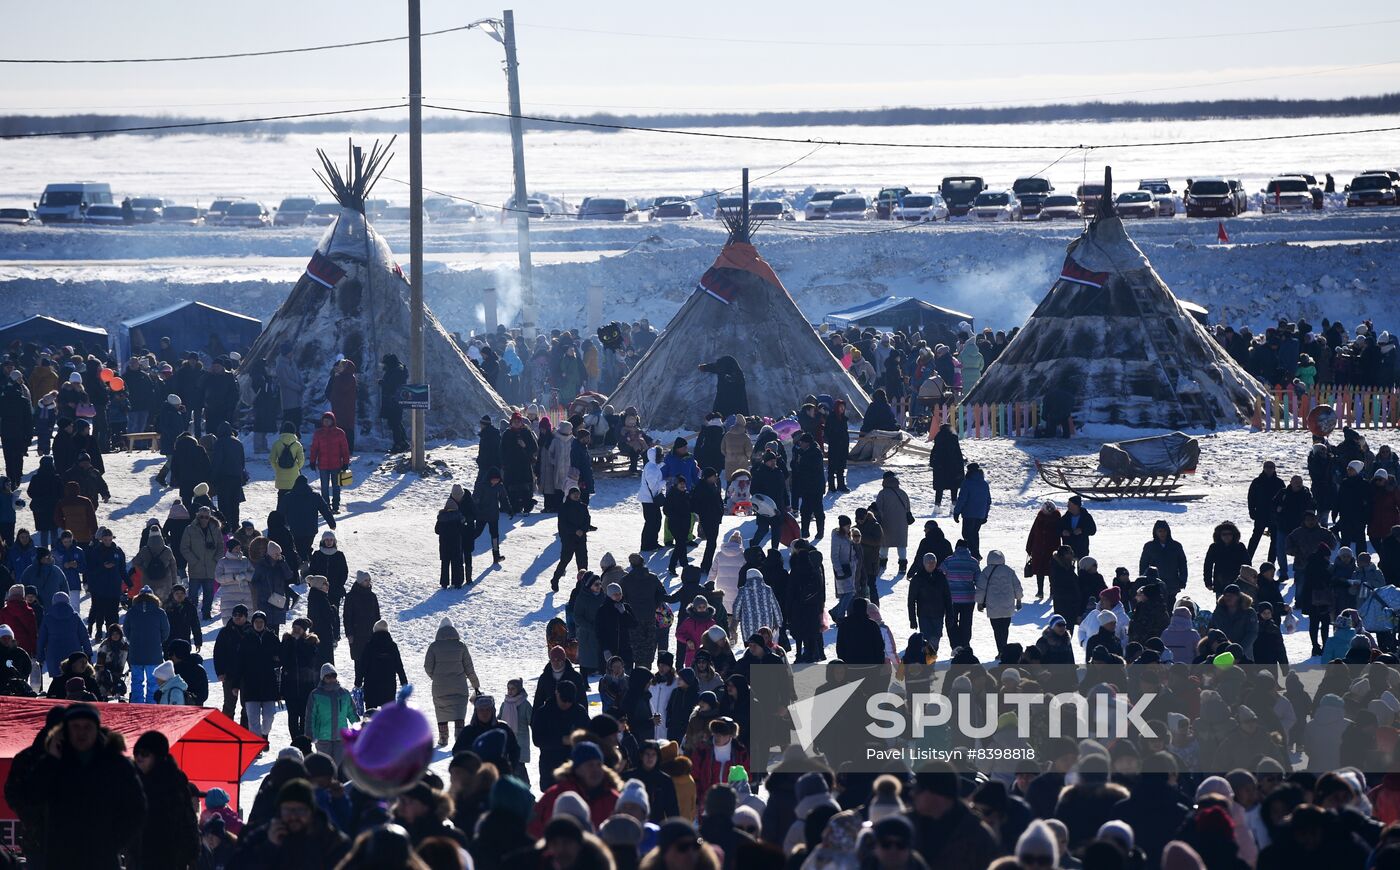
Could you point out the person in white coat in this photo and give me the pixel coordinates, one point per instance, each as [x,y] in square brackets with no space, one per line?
[729,561]
[651,493]
[999,596]
[234,574]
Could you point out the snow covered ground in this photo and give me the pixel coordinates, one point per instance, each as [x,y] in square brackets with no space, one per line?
[387,529]
[1337,264]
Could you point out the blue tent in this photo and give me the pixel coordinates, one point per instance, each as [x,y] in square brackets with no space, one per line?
[191,326]
[905,313]
[48,331]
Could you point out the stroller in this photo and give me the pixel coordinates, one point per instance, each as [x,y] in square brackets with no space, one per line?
[738,496]
[1380,612]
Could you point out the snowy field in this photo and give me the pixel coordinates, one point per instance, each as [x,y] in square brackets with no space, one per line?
[387,529]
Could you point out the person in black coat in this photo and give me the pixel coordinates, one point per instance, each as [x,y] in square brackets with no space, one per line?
[615,622]
[879,416]
[189,666]
[1291,503]
[170,836]
[488,450]
[228,473]
[1155,809]
[676,509]
[557,671]
[16,426]
[807,599]
[1262,492]
[220,396]
[1076,527]
[1322,475]
[519,451]
[228,657]
[395,376]
[1065,597]
[930,599]
[575,522]
[1268,643]
[1353,506]
[1165,553]
[258,651]
[1224,556]
[858,638]
[453,540]
[945,460]
[301,671]
[771,481]
[707,503]
[555,718]
[731,394]
[933,541]
[709,450]
[378,667]
[809,484]
[189,466]
[837,434]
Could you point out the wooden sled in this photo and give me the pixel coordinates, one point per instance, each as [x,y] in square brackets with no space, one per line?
[875,447]
[611,462]
[1089,483]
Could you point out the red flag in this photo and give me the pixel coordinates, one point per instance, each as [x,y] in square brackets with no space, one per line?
[323,271]
[1076,273]
[1220,234]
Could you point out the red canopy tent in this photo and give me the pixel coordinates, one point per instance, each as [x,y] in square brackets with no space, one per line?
[209,747]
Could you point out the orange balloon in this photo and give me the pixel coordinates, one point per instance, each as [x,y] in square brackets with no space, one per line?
[117,385]
[106,375]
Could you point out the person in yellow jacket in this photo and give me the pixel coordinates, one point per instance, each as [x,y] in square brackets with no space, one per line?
[286,457]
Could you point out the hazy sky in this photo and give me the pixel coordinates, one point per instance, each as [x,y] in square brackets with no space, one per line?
[736,55]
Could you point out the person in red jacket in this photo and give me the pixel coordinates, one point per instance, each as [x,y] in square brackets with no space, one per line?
[585,775]
[19,616]
[343,392]
[711,762]
[330,454]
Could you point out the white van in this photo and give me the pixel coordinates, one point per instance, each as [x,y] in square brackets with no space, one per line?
[65,203]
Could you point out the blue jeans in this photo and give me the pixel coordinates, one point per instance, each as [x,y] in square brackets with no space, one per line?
[330,486]
[143,684]
[843,600]
[260,716]
[203,585]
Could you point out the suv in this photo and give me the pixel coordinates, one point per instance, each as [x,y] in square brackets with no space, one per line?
[817,207]
[1286,193]
[849,207]
[1032,193]
[1060,205]
[246,213]
[1135,204]
[1373,188]
[1314,188]
[146,209]
[996,205]
[1211,197]
[1161,191]
[887,200]
[771,210]
[294,210]
[181,215]
[921,207]
[959,191]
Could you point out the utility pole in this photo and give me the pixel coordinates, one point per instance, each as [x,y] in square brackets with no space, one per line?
[415,223]
[521,200]
[744,209]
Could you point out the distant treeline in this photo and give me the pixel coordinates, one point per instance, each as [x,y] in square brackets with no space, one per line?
[896,116]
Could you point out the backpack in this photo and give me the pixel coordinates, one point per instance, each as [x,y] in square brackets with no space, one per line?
[155,569]
[286,459]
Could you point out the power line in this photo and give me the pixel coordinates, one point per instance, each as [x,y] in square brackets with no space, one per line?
[1078,40]
[146,128]
[239,54]
[749,137]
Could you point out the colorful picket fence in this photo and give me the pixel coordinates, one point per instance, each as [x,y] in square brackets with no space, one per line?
[1356,406]
[1008,420]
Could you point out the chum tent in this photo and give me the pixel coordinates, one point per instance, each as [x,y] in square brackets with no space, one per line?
[48,331]
[191,326]
[904,313]
[739,311]
[353,300]
[212,749]
[1111,342]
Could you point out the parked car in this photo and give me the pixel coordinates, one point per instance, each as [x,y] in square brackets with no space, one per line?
[294,210]
[1135,204]
[658,201]
[146,209]
[922,207]
[1314,189]
[996,205]
[771,210]
[887,200]
[459,212]
[18,216]
[600,208]
[959,191]
[850,207]
[1161,191]
[536,208]
[104,215]
[323,214]
[1392,174]
[181,215]
[1032,192]
[218,208]
[246,213]
[399,214]
[728,205]
[1211,197]
[817,207]
[1089,196]
[1288,193]
[1059,205]
[676,211]
[1370,190]
[67,203]
[433,205]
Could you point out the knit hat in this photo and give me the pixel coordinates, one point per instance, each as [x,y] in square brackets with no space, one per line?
[1040,841]
[484,700]
[753,574]
[293,753]
[811,784]
[6,631]
[316,581]
[510,795]
[585,751]
[1111,597]
[82,711]
[381,625]
[319,764]
[201,489]
[1356,465]
[215,798]
[570,804]
[1088,563]
[296,791]
[613,589]
[635,793]
[164,671]
[274,548]
[674,830]
[16,591]
[328,670]
[620,830]
[173,400]
[154,743]
[1119,832]
[608,561]
[940,778]
[362,577]
[491,746]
